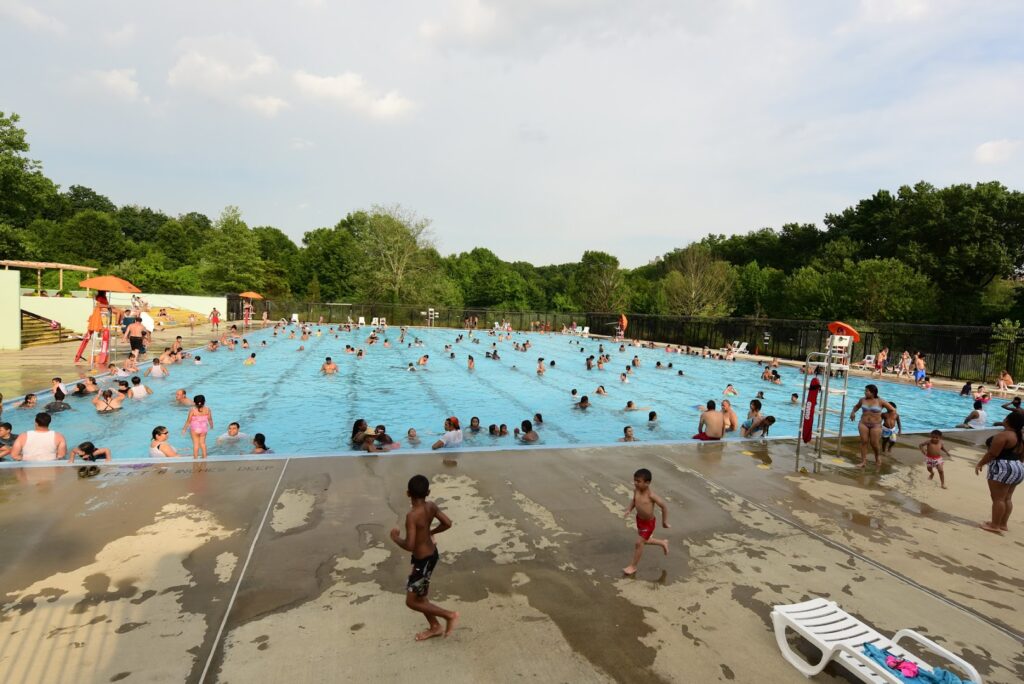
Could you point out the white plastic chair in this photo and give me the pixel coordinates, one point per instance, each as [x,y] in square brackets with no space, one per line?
[362,321]
[586,331]
[295,319]
[735,346]
[374,322]
[742,349]
[841,637]
[867,363]
[383,322]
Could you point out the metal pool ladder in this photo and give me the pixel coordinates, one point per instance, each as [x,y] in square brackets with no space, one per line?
[835,359]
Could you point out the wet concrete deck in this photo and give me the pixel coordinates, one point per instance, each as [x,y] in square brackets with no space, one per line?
[283,571]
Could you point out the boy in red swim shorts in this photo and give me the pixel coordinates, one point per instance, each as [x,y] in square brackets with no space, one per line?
[644,501]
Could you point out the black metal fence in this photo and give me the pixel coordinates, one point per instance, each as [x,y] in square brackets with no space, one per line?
[960,352]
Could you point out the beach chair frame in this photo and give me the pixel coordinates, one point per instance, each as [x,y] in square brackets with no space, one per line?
[841,637]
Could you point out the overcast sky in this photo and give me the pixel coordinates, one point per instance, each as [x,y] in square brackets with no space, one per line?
[536,128]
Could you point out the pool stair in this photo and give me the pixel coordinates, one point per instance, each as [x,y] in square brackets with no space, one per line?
[37,330]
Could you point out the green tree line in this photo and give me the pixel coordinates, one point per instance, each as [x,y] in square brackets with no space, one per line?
[922,254]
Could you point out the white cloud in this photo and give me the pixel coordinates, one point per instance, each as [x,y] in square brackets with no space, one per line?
[267,105]
[892,11]
[228,69]
[30,17]
[350,89]
[300,144]
[997,151]
[212,64]
[471,19]
[119,83]
[122,36]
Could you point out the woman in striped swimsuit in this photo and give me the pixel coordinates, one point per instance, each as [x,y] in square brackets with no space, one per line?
[1005,470]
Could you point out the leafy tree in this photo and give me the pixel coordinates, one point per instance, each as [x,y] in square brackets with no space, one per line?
[698,284]
[230,260]
[758,290]
[888,290]
[330,258]
[25,193]
[78,198]
[598,284]
[140,224]
[390,240]
[89,235]
[16,244]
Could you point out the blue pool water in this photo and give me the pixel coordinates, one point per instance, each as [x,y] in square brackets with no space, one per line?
[303,412]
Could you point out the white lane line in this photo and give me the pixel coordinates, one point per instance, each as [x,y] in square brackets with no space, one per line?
[241,575]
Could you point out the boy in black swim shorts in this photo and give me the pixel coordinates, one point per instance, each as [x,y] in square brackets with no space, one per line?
[419,541]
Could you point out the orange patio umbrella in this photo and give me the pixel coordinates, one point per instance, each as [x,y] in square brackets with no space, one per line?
[251,295]
[108,283]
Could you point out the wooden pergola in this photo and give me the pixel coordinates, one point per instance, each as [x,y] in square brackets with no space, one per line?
[41,266]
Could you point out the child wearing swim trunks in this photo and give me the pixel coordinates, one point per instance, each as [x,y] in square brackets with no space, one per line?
[644,501]
[891,426]
[933,449]
[419,541]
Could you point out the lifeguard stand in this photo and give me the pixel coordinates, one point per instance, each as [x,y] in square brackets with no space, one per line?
[830,400]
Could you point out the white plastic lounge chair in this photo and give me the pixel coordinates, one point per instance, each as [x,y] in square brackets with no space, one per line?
[867,364]
[350,320]
[362,321]
[841,637]
[742,349]
[735,346]
[586,331]
[383,322]
[295,319]
[374,322]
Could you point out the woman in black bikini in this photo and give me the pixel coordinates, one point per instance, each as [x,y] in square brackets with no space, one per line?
[107,402]
[1005,470]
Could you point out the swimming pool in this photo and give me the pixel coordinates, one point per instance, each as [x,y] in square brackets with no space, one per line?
[301,411]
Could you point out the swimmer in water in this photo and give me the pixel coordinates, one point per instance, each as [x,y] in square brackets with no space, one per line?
[423,360]
[600,391]
[180,397]
[329,367]
[411,437]
[471,364]
[526,434]
[584,402]
[108,401]
[251,361]
[730,391]
[631,406]
[627,435]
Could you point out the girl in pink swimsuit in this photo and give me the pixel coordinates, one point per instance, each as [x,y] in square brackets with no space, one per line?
[198,422]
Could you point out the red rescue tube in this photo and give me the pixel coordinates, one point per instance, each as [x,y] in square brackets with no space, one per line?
[81,347]
[101,360]
[809,404]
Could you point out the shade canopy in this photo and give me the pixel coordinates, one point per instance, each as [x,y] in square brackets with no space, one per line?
[251,295]
[840,328]
[108,283]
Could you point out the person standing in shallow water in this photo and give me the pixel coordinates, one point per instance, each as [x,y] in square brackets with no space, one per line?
[419,541]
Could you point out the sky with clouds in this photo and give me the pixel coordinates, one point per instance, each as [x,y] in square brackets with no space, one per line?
[536,128]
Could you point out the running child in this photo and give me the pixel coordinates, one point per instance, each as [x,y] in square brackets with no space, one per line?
[933,449]
[419,541]
[644,501]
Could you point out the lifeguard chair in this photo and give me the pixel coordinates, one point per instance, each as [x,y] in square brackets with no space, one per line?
[826,397]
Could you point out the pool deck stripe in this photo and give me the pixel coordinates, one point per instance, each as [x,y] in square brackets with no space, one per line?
[215,647]
[845,549]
